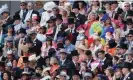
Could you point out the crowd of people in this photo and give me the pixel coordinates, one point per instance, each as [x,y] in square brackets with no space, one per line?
[67,40]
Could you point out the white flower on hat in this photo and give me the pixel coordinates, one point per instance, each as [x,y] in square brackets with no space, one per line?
[46,78]
[49,6]
[32,57]
[9,52]
[4,8]
[63,73]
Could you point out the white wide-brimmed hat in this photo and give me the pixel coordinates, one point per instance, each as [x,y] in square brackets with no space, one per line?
[63,73]
[46,78]
[4,8]
[49,6]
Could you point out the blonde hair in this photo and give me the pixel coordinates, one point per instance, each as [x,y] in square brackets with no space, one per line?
[53,60]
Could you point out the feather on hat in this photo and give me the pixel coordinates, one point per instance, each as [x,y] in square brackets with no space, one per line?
[4,8]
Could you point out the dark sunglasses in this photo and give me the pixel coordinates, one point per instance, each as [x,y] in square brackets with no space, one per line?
[22,5]
[126,6]
[129,36]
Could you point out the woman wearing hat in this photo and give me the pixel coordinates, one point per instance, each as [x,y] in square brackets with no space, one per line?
[54,66]
[4,11]
[48,13]
[35,22]
[46,46]
[9,45]
[109,73]
[64,13]
[96,45]
[81,50]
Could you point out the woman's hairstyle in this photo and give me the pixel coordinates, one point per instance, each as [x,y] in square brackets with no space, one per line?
[111,71]
[8,74]
[53,60]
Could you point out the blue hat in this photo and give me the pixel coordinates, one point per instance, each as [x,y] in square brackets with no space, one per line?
[105,17]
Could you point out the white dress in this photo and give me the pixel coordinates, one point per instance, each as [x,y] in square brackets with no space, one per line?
[45,17]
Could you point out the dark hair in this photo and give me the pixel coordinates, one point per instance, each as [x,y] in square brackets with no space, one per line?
[8,73]
[99,51]
[88,53]
[116,58]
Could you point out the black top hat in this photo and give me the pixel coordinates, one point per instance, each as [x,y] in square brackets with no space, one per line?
[129,21]
[74,53]
[70,20]
[76,73]
[75,6]
[72,14]
[51,19]
[126,65]
[59,16]
[25,59]
[130,32]
[114,2]
[16,17]
[83,2]
[1,49]
[123,46]
[2,63]
[22,30]
[112,43]
[130,13]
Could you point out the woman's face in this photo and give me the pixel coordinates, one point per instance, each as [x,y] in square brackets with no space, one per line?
[92,17]
[95,3]
[10,30]
[107,6]
[97,42]
[9,56]
[51,24]
[9,44]
[80,51]
[48,42]
[5,76]
[63,12]
[108,21]
[46,73]
[34,22]
[107,73]
[118,73]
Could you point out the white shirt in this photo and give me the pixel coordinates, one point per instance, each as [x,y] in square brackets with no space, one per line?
[28,15]
[126,76]
[1,58]
[45,17]
[57,30]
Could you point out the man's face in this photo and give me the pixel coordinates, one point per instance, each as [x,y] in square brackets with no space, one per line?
[75,10]
[126,6]
[129,56]
[75,58]
[101,56]
[22,6]
[130,37]
[124,70]
[114,6]
[71,26]
[58,22]
[30,6]
[55,11]
[63,56]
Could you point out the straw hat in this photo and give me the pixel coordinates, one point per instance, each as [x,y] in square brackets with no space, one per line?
[82,47]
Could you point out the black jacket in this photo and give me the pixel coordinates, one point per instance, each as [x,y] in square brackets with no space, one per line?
[7,22]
